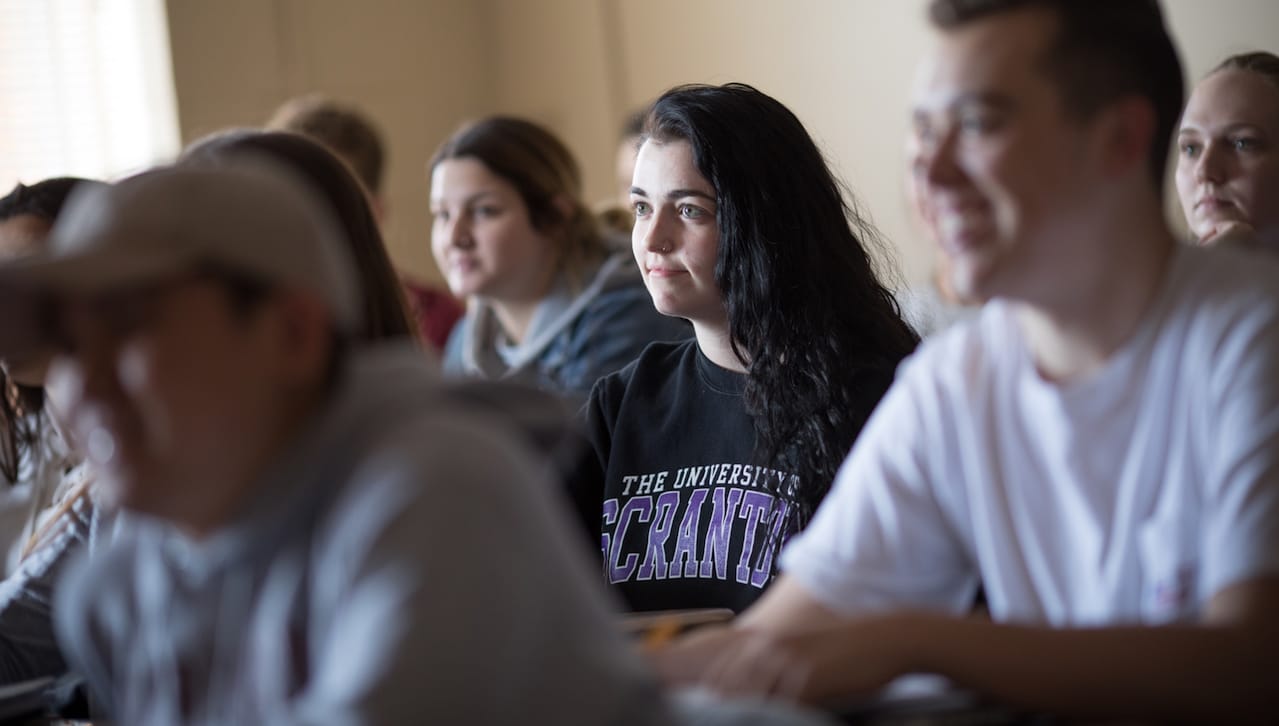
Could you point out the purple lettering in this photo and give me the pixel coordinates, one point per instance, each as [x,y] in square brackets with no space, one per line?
[719,533]
[755,505]
[764,571]
[659,531]
[642,508]
[686,543]
[610,516]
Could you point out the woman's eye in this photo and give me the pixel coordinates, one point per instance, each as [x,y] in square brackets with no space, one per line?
[440,215]
[688,211]
[486,212]
[641,209]
[1246,143]
[1189,150]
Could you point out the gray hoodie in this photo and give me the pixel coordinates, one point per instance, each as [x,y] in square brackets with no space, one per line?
[575,337]
[404,560]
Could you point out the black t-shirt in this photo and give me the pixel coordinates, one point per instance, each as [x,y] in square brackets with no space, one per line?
[688,518]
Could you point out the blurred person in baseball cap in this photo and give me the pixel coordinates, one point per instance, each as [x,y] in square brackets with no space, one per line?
[305,497]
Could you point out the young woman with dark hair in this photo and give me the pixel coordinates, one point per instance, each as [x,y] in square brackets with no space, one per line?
[707,454]
[551,300]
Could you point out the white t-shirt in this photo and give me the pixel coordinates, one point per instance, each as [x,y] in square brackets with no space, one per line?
[1131,496]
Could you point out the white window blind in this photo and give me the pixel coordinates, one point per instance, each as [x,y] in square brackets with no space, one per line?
[86,89]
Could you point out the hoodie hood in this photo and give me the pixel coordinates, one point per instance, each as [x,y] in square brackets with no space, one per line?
[486,353]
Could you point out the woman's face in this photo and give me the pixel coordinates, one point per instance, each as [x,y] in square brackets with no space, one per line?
[20,236]
[482,237]
[676,239]
[1228,156]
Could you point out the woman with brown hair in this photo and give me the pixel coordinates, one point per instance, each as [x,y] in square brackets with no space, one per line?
[552,301]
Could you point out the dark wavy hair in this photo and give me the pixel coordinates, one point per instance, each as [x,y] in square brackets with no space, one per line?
[22,417]
[385,307]
[820,334]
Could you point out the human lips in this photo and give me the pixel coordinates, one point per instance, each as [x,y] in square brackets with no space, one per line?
[663,270]
[462,264]
[1211,203]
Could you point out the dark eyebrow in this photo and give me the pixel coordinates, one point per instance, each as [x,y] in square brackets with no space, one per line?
[681,193]
[677,194]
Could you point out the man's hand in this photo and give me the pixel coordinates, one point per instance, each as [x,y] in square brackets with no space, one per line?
[825,663]
[818,666]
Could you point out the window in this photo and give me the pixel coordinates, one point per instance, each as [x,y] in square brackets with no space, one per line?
[86,89]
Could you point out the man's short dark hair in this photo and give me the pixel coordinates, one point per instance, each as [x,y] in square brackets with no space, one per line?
[339,128]
[1104,50]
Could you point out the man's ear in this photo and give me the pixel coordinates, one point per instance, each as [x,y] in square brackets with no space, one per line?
[303,338]
[1127,130]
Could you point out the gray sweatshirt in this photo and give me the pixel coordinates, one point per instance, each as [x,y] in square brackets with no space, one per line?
[406,560]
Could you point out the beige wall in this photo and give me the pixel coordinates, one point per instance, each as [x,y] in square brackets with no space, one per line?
[418,68]
[843,66]
[422,66]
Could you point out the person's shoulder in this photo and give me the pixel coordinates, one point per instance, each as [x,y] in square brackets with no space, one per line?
[616,302]
[1225,274]
[657,362]
[395,358]
[453,354]
[616,282]
[391,381]
[1218,293]
[967,349]
[662,358]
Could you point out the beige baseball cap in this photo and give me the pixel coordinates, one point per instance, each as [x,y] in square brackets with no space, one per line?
[250,215]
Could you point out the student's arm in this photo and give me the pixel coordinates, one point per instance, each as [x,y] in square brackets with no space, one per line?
[1224,670]
[784,609]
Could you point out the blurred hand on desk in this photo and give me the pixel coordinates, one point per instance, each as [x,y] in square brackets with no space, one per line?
[828,662]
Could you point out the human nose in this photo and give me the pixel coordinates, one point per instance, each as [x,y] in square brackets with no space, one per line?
[935,162]
[655,233]
[458,232]
[1210,167]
